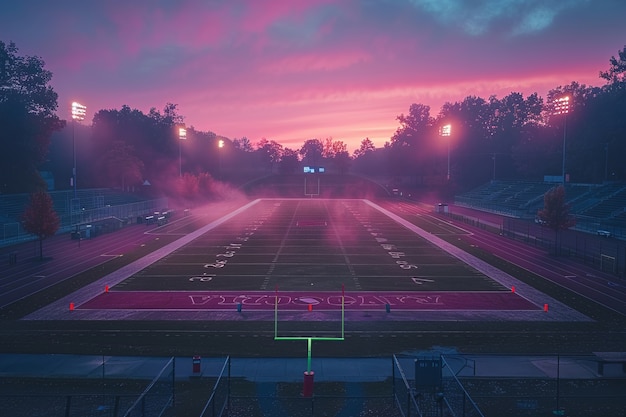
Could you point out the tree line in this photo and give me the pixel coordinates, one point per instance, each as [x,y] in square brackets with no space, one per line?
[513,137]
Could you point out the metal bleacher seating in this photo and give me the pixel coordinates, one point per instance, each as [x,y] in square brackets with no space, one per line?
[524,198]
[609,205]
[88,205]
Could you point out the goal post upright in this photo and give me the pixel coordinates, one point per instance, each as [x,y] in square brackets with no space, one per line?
[308,375]
[343,310]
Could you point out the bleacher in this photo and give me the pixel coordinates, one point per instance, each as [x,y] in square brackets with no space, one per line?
[530,196]
[514,198]
[523,198]
[74,211]
[13,205]
[609,205]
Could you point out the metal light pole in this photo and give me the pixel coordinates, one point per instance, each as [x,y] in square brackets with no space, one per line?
[561,106]
[78,114]
[220,145]
[606,162]
[446,131]
[182,135]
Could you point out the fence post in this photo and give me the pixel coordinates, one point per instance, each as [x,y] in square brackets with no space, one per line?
[464,398]
[393,377]
[228,405]
[68,405]
[174,382]
[408,404]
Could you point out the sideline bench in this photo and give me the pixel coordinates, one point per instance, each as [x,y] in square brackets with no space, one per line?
[605,358]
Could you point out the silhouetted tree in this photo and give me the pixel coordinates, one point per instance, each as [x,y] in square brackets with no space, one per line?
[616,74]
[372,163]
[39,218]
[414,127]
[243,144]
[188,187]
[270,152]
[154,138]
[289,162]
[201,152]
[513,120]
[27,106]
[311,152]
[537,153]
[366,146]
[555,212]
[412,145]
[336,154]
[120,166]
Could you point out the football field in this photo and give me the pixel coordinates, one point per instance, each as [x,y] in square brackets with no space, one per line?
[303,255]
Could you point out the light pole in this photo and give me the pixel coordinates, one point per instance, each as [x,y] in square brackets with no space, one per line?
[182,135]
[561,106]
[78,113]
[446,131]
[220,145]
[606,162]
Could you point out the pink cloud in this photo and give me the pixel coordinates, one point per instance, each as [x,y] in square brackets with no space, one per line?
[291,70]
[313,62]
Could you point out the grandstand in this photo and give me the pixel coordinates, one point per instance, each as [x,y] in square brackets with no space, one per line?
[600,205]
[609,205]
[76,211]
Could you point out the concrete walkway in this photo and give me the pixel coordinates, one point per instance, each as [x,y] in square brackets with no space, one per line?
[292,369]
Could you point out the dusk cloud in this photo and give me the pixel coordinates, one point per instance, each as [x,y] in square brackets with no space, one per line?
[478,17]
[286,70]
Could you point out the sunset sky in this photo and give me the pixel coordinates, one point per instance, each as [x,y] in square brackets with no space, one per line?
[292,70]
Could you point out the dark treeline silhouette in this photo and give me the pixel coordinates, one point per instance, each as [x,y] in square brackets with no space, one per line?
[513,137]
[27,119]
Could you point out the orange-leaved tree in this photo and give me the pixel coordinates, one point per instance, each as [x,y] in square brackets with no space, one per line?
[39,217]
[555,213]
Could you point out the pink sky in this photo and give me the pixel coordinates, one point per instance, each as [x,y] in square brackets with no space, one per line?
[291,70]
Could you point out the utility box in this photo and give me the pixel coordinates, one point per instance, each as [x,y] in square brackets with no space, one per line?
[441,208]
[196,365]
[428,373]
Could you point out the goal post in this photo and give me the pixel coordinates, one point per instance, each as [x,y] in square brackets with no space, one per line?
[311,185]
[310,338]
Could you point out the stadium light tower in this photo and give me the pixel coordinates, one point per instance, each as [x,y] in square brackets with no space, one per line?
[78,114]
[446,131]
[561,106]
[182,135]
[220,145]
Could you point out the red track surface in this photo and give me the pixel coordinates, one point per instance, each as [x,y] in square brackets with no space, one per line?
[63,259]
[603,288]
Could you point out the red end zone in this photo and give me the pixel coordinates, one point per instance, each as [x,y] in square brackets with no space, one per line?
[301,300]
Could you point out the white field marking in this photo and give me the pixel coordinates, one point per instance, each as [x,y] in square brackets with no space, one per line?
[530,293]
[87,293]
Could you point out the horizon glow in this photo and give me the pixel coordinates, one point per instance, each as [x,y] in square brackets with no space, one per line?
[293,71]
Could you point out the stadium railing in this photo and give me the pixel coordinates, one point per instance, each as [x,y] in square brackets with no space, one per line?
[219,399]
[157,396]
